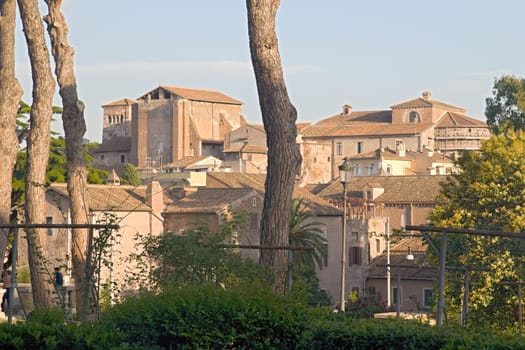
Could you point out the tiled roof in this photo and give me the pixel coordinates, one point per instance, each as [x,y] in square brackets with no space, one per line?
[455,120]
[209,200]
[247,149]
[110,198]
[123,101]
[201,95]
[184,162]
[398,189]
[421,102]
[115,144]
[316,204]
[367,129]
[408,269]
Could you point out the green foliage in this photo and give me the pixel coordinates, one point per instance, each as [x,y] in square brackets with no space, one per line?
[506,109]
[130,175]
[210,318]
[366,307]
[306,233]
[239,318]
[488,193]
[195,256]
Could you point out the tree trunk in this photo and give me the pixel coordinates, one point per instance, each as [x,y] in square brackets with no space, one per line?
[37,147]
[10,94]
[279,117]
[74,128]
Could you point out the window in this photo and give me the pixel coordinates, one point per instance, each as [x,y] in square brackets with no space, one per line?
[357,170]
[49,220]
[355,236]
[396,294]
[369,195]
[414,117]
[254,201]
[378,245]
[428,297]
[371,290]
[389,168]
[360,147]
[372,169]
[398,142]
[122,159]
[339,148]
[101,158]
[254,221]
[355,254]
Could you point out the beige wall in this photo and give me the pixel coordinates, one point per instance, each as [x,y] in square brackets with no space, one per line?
[131,223]
[117,121]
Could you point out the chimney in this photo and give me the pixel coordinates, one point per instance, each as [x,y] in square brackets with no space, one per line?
[154,196]
[401,149]
[427,95]
[347,110]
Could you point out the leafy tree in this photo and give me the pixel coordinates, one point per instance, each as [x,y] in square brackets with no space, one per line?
[506,109]
[56,168]
[196,256]
[307,233]
[488,193]
[130,175]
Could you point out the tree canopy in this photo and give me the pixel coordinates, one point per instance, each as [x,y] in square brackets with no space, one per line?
[488,193]
[130,175]
[506,109]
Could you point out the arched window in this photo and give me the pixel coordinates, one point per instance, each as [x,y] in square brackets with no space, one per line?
[414,117]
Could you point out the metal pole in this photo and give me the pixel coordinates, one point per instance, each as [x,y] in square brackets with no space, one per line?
[398,306]
[442,263]
[520,316]
[14,250]
[465,299]
[388,274]
[343,252]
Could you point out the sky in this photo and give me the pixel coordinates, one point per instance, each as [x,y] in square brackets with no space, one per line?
[369,54]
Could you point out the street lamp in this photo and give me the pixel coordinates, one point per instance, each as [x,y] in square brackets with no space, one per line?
[345,174]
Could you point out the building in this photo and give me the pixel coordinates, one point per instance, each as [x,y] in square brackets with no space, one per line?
[170,123]
[245,150]
[134,209]
[420,124]
[167,124]
[376,206]
[385,161]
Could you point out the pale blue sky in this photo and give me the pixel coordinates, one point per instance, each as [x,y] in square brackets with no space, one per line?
[370,54]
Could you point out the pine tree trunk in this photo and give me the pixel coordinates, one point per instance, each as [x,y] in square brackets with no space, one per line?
[10,94]
[37,148]
[74,128]
[279,117]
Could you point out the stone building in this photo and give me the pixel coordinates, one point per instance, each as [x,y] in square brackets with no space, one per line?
[420,124]
[376,206]
[165,125]
[245,150]
[170,123]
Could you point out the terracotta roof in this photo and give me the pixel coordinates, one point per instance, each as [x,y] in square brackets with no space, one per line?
[367,129]
[123,101]
[301,126]
[115,144]
[398,189]
[315,203]
[184,162]
[408,269]
[201,95]
[421,102]
[110,198]
[247,149]
[209,200]
[456,120]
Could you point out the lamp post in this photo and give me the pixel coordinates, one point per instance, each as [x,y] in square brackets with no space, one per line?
[388,274]
[409,257]
[345,174]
